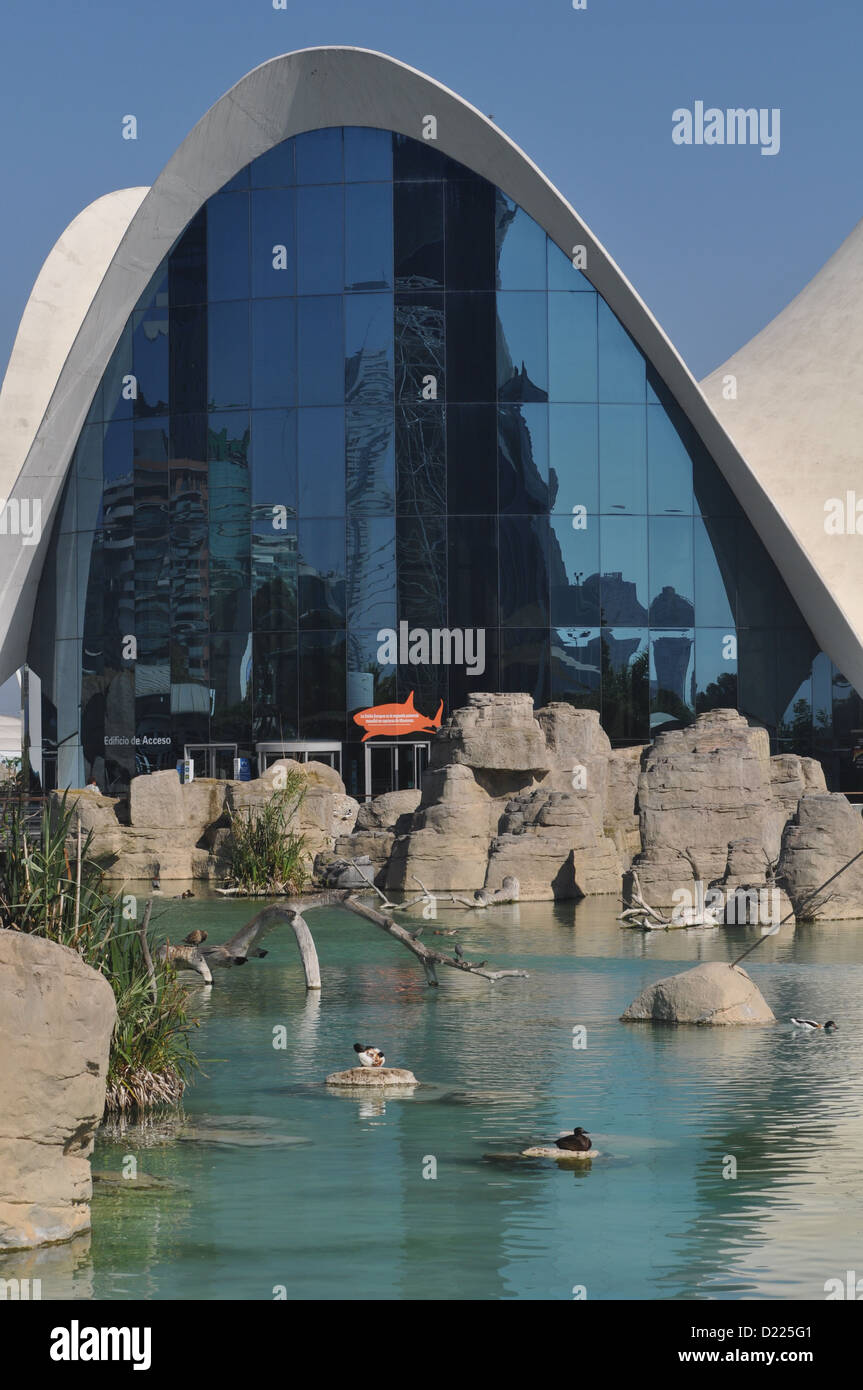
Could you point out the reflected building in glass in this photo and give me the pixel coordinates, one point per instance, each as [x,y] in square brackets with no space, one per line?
[364,389]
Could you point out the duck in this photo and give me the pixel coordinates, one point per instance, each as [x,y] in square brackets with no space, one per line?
[812,1025]
[369,1056]
[195,938]
[577,1142]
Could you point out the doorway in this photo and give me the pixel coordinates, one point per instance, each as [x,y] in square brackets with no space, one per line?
[214,760]
[394,767]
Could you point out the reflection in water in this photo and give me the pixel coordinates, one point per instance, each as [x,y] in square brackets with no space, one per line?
[654,1218]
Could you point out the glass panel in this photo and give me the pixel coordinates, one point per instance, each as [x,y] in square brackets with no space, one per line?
[420,459]
[240,180]
[370,459]
[756,580]
[418,159]
[669,467]
[274,362]
[715,571]
[322,574]
[621,365]
[524,571]
[319,156]
[419,345]
[625,685]
[522,354]
[419,236]
[520,248]
[574,573]
[274,576]
[274,461]
[672,679]
[713,496]
[229,512]
[275,169]
[231,680]
[623,585]
[575,666]
[150,361]
[320,351]
[369,349]
[523,458]
[471,456]
[187,265]
[715,669]
[756,655]
[573,458]
[228,355]
[274,243]
[228,246]
[524,663]
[472,571]
[320,237]
[370,682]
[422,579]
[622,459]
[321,457]
[369,236]
[85,485]
[322,685]
[371,586]
[368,154]
[562,275]
[470,338]
[114,389]
[187,356]
[572,361]
[469,221]
[794,657]
[671,586]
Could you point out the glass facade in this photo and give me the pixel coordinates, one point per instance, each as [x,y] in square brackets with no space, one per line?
[365,389]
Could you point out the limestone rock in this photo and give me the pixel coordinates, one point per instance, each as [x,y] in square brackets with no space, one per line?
[388,812]
[375,846]
[551,844]
[497,736]
[56,1020]
[372,1076]
[716,994]
[447,846]
[824,834]
[203,805]
[156,799]
[621,808]
[95,812]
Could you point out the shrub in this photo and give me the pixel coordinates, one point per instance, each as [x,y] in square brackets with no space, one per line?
[265,855]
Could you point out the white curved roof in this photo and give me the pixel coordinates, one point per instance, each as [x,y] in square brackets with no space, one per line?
[309,90]
[798,420]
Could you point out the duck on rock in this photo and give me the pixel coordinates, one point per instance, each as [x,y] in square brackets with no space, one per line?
[577,1142]
[369,1056]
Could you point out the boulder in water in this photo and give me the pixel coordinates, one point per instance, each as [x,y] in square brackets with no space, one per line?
[715,993]
[372,1076]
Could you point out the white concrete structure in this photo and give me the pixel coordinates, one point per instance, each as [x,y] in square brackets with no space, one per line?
[93,278]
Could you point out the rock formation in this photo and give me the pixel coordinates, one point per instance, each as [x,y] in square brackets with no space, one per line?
[704,789]
[824,833]
[56,1020]
[172,831]
[715,994]
[512,792]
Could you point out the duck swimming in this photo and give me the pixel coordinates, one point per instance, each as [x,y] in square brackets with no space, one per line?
[369,1056]
[578,1141]
[811,1024]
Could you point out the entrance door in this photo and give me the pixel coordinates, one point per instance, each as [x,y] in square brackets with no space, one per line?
[394,767]
[212,759]
[302,751]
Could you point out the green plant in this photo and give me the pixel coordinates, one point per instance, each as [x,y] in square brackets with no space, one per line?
[46,892]
[266,856]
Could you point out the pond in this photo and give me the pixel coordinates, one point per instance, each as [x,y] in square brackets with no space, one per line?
[285,1189]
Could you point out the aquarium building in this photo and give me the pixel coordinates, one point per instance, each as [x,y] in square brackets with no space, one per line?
[350,409]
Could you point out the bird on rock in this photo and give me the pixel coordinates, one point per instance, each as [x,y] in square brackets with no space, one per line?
[369,1056]
[195,938]
[577,1142]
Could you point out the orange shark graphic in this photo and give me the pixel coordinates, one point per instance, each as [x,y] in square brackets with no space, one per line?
[397,719]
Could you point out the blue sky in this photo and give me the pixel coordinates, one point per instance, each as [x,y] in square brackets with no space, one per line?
[715,239]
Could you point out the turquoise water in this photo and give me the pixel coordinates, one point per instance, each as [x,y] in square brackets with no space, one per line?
[348,1207]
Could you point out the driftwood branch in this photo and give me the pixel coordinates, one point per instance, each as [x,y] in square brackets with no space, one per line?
[425,954]
[308,954]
